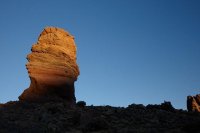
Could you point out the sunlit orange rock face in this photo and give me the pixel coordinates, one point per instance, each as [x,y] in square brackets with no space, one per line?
[52,67]
[193,103]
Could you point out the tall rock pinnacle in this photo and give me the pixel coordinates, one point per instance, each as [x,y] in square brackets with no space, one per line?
[52,67]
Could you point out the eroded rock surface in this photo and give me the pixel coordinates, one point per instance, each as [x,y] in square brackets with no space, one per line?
[52,67]
[193,103]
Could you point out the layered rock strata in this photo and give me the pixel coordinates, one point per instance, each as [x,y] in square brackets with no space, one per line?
[193,103]
[52,67]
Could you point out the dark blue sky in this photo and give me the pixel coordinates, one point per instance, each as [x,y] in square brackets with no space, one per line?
[128,51]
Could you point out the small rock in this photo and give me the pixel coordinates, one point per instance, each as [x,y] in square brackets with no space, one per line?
[193,103]
[81,104]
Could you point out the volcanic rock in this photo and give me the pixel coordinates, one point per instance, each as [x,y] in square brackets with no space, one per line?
[52,67]
[61,117]
[193,103]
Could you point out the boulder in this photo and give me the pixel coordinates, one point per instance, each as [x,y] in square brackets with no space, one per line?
[193,103]
[52,67]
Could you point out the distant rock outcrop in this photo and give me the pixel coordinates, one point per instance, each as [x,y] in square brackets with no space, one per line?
[52,67]
[193,103]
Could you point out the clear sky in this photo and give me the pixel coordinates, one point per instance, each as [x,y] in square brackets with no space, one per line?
[128,51]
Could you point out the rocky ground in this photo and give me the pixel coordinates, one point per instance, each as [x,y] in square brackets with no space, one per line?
[60,117]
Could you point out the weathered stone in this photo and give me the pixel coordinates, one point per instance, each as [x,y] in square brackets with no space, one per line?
[193,103]
[52,67]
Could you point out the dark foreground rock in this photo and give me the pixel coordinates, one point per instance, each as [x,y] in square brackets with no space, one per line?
[61,117]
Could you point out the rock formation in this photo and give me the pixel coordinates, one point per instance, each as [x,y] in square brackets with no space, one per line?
[52,67]
[193,103]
